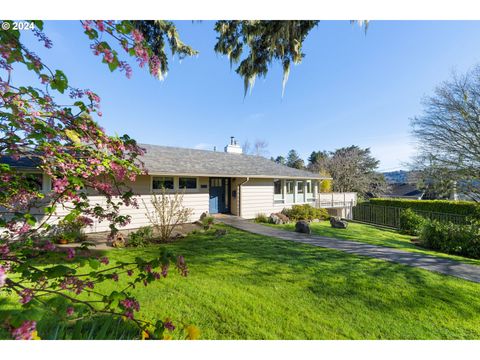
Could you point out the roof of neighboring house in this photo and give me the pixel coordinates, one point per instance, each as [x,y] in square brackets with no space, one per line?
[20,163]
[404,190]
[165,160]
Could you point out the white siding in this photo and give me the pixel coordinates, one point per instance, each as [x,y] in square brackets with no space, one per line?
[256,196]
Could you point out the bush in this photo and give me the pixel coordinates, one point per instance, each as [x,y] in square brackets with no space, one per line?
[452,238]
[305,212]
[70,230]
[262,218]
[410,222]
[466,208]
[141,237]
[207,222]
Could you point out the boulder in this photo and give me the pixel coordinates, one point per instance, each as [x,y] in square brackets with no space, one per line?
[302,227]
[283,217]
[275,219]
[338,223]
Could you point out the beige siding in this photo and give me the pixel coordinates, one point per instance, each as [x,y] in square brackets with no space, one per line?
[256,197]
[197,200]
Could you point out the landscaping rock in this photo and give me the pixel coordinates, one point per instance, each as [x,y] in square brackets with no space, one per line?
[302,227]
[283,217]
[338,223]
[275,219]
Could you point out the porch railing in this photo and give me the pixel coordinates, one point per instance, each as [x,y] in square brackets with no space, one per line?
[336,200]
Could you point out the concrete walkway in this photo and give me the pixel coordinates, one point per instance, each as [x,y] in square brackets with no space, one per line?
[431,263]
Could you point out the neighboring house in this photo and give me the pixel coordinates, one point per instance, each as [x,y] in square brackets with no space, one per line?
[404,191]
[226,182]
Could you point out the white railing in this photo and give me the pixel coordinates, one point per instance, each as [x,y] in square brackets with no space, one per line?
[336,200]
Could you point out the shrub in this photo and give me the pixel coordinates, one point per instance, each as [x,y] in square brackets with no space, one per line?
[207,222]
[70,230]
[467,208]
[452,238]
[261,218]
[410,222]
[141,237]
[168,213]
[305,212]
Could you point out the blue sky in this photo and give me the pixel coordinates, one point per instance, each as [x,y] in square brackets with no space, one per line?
[351,88]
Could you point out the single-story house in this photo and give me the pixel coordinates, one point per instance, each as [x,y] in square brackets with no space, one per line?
[404,191]
[227,182]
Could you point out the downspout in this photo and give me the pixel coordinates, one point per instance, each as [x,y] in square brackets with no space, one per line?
[239,186]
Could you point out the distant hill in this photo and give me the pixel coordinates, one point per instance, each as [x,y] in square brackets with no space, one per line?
[396,177]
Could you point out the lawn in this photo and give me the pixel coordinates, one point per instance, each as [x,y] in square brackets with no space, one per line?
[373,235]
[244,286]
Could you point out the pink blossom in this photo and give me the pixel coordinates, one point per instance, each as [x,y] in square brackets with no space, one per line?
[104,260]
[70,311]
[115,277]
[59,185]
[137,35]
[70,253]
[100,25]
[26,296]
[49,246]
[3,276]
[25,331]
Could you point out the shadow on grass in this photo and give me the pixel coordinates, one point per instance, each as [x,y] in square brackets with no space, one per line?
[54,327]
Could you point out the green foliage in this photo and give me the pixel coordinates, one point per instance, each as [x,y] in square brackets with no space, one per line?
[141,237]
[305,212]
[466,208]
[452,238]
[71,229]
[410,222]
[207,222]
[261,218]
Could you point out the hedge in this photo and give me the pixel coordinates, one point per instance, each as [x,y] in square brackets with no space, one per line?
[466,208]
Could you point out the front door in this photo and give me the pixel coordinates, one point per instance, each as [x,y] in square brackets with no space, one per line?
[219,195]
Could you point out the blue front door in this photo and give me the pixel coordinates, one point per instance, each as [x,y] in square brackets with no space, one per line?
[218,195]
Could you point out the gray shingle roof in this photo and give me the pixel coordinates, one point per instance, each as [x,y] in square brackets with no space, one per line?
[165,160]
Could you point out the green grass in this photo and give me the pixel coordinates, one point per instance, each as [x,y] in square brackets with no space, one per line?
[244,286]
[373,235]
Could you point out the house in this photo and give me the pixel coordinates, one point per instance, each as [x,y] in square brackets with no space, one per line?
[404,191]
[227,182]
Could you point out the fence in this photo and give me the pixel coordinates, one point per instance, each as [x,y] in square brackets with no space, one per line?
[390,216]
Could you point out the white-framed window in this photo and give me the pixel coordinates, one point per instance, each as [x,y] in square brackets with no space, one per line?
[278,191]
[300,187]
[187,183]
[290,186]
[162,182]
[34,180]
[277,187]
[309,187]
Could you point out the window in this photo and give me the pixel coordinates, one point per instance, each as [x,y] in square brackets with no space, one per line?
[162,182]
[187,183]
[34,181]
[300,188]
[277,187]
[309,187]
[290,187]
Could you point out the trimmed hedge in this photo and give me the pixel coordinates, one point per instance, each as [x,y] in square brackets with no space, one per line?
[466,208]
